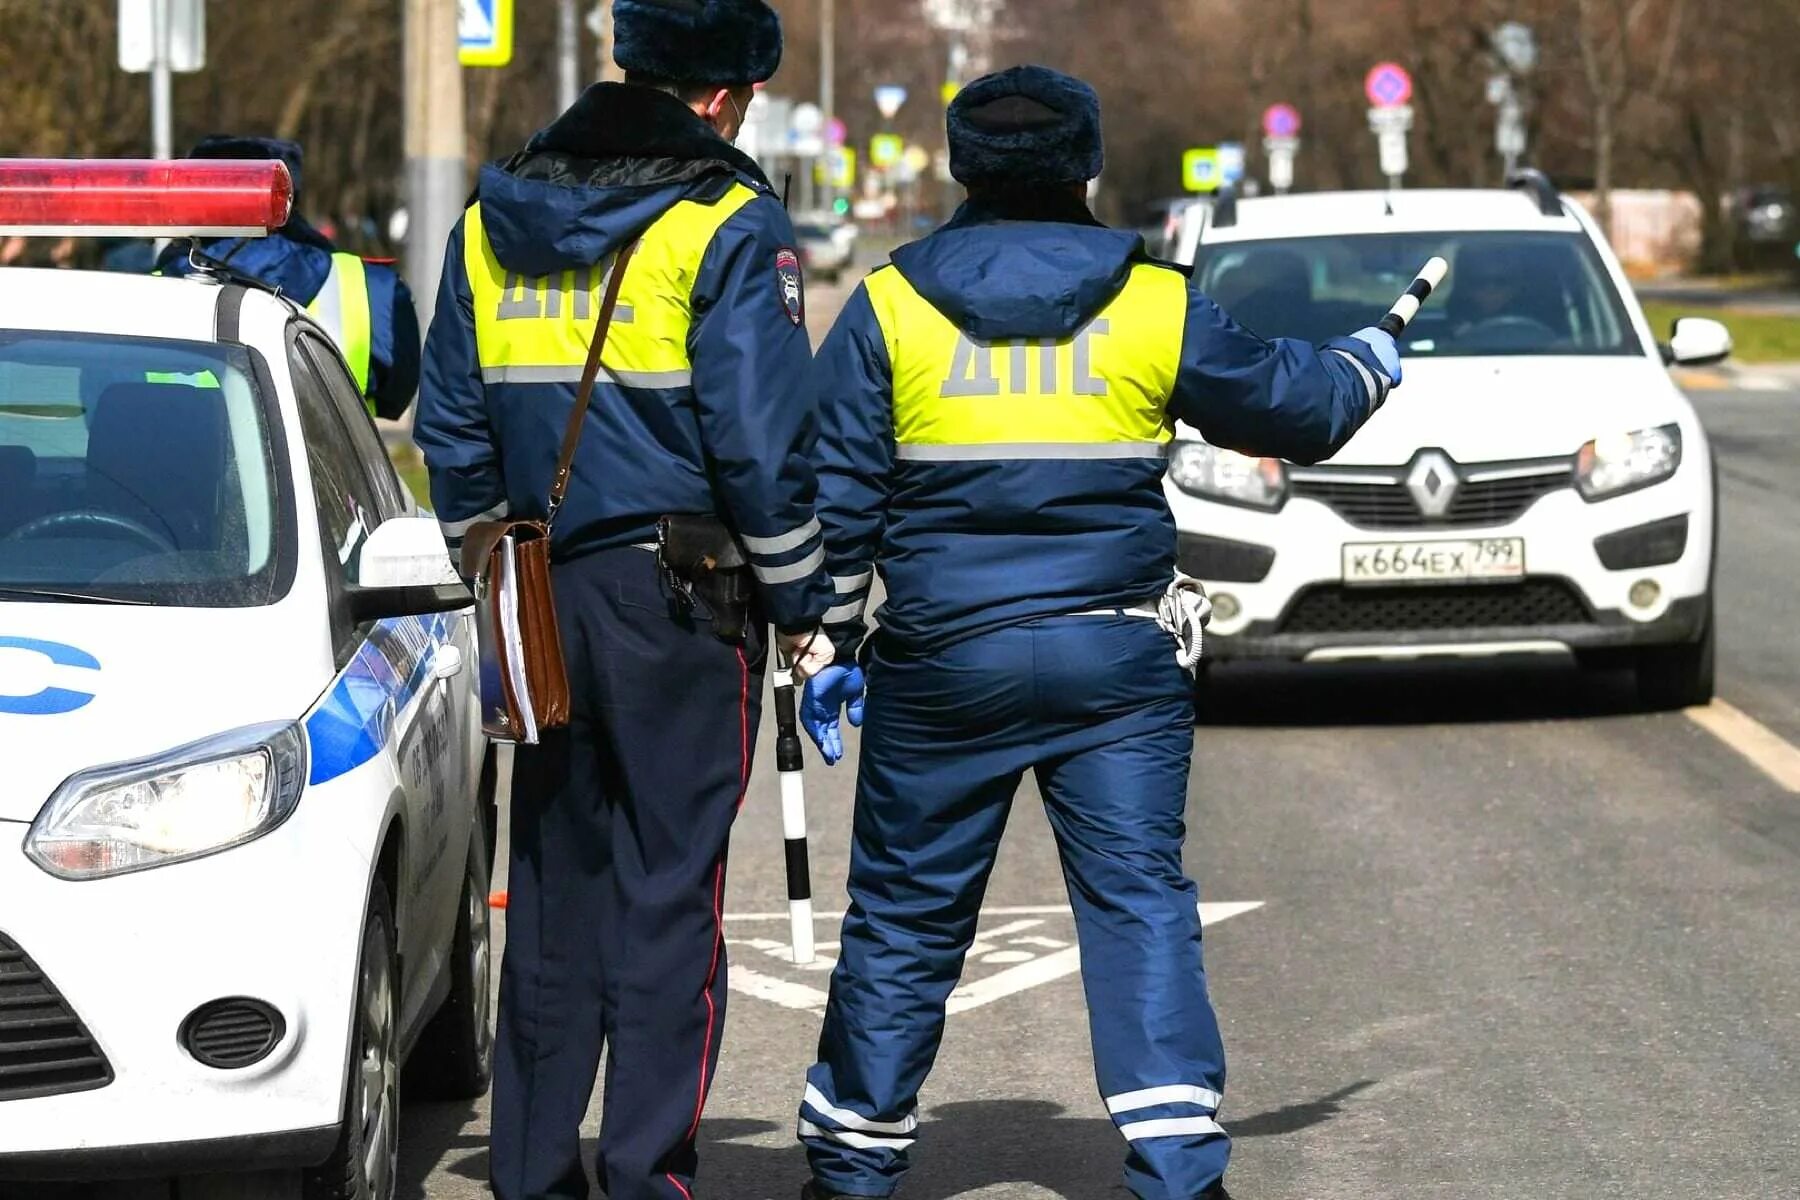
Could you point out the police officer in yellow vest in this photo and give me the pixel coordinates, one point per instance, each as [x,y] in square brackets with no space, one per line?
[362,303]
[620,823]
[995,409]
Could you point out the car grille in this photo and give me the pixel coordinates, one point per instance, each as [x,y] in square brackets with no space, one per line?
[1336,609]
[1383,505]
[45,1050]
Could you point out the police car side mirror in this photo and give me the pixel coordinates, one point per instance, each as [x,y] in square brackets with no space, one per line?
[1699,342]
[404,570]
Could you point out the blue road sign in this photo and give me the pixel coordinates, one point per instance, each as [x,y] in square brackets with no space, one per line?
[484,31]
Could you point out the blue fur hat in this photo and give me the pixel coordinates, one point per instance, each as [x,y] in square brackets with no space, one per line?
[1028,126]
[725,42]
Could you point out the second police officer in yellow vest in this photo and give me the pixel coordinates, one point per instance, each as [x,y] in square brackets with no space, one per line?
[362,303]
[995,407]
[620,823]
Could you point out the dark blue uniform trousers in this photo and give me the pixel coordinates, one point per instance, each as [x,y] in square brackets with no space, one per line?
[619,831]
[1098,709]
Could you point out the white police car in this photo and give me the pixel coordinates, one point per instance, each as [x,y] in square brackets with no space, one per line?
[243,852]
[1538,486]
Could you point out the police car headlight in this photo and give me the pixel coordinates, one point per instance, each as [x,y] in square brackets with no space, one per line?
[1612,466]
[1203,470]
[198,800]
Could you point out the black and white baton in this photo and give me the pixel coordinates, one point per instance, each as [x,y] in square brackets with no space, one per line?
[1419,291]
[790,766]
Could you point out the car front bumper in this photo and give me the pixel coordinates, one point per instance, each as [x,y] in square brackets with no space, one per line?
[277,920]
[1285,598]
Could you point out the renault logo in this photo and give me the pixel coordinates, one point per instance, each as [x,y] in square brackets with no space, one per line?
[1433,483]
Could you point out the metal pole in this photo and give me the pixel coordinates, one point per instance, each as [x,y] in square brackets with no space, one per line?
[828,78]
[568,50]
[162,136]
[436,147]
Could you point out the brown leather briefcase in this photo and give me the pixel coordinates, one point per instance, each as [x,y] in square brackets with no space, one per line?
[524,679]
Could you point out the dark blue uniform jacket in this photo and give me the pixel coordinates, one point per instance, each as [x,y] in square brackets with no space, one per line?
[730,442]
[968,546]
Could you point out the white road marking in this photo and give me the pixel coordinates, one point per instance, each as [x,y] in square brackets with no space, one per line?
[1013,980]
[1762,383]
[1048,960]
[1766,749]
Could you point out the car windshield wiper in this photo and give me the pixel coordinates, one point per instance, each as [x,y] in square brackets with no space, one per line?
[52,595]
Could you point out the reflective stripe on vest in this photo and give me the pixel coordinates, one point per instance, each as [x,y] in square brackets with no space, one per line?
[1101,394]
[342,308]
[537,330]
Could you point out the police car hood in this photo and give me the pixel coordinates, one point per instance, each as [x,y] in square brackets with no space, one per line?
[86,685]
[600,175]
[999,279]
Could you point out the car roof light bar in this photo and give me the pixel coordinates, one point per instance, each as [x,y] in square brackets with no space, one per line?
[50,197]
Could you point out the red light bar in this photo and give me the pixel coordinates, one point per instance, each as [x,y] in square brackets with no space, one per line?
[64,197]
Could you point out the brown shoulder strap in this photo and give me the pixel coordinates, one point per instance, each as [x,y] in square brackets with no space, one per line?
[584,394]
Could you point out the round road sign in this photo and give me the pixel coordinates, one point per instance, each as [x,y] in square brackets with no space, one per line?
[1388,85]
[1281,121]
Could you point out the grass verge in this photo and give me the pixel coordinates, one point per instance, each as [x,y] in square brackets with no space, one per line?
[411,466]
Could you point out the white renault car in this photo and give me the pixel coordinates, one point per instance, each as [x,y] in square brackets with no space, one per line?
[1539,485]
[243,847]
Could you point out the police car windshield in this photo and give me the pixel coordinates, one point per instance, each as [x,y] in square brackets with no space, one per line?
[1509,293]
[134,469]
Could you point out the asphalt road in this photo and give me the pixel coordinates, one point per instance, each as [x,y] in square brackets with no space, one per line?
[1510,937]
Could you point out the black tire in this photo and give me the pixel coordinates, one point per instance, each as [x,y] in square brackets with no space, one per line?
[1674,677]
[454,1059]
[365,1164]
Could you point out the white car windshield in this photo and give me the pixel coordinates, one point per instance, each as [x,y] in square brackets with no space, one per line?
[1508,292]
[135,470]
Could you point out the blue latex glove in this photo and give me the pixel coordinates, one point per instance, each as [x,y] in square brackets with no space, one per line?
[1386,352]
[826,694]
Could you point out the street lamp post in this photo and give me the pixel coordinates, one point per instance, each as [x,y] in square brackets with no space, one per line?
[828,79]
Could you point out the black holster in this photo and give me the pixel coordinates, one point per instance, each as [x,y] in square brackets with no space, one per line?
[701,557]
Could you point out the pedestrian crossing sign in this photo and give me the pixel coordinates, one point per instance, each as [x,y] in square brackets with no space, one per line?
[837,168]
[484,30]
[886,150]
[1203,169]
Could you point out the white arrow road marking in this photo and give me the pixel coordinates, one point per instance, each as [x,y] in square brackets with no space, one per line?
[1061,960]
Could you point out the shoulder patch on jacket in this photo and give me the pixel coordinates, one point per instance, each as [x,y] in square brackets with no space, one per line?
[787,278]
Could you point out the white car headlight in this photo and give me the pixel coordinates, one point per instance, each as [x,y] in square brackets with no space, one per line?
[1612,466]
[198,800]
[1204,470]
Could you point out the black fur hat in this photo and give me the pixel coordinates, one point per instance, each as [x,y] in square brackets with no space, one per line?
[1028,126]
[225,145]
[725,42]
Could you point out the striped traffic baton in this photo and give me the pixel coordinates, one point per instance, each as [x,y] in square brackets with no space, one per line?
[790,767]
[1419,291]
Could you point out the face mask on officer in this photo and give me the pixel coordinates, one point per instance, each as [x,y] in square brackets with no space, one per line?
[725,111]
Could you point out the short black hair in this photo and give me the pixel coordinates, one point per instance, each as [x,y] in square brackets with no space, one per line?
[683,90]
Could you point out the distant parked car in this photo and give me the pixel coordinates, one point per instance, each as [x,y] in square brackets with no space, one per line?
[1767,216]
[827,255]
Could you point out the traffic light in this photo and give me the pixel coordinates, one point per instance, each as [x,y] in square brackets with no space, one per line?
[840,206]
